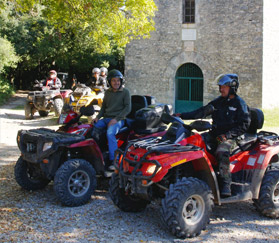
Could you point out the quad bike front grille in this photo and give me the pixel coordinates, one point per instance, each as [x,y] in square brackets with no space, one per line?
[37,144]
[31,147]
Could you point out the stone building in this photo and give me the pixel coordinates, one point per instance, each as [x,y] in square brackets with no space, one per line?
[195,41]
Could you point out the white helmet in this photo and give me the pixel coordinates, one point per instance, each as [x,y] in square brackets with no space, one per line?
[96,70]
[104,69]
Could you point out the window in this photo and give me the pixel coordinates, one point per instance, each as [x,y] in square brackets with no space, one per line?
[188,11]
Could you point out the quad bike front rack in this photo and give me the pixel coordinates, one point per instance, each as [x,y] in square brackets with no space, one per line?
[152,145]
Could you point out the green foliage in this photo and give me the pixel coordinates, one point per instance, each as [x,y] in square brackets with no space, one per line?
[72,36]
[107,22]
[8,57]
[271,117]
[6,90]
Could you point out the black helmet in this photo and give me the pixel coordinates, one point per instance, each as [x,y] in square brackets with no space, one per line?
[115,74]
[230,80]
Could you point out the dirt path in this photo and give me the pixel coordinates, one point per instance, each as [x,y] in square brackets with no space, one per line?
[39,217]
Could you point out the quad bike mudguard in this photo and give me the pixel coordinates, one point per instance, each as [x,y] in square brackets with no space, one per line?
[254,163]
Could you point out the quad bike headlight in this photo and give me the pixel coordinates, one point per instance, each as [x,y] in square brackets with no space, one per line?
[47,146]
[150,170]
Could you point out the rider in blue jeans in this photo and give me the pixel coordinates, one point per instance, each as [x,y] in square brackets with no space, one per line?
[116,106]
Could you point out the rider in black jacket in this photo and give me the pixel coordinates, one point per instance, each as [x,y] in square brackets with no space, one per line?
[231,119]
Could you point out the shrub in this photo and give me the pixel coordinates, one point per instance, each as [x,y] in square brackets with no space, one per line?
[6,90]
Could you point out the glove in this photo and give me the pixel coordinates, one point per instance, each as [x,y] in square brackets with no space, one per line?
[177,114]
[221,138]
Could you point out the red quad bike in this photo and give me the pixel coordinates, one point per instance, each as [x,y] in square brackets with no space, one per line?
[179,169]
[71,157]
[45,99]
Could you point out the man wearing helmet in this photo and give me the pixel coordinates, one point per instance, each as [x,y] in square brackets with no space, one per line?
[116,106]
[53,81]
[96,80]
[230,119]
[104,72]
[103,77]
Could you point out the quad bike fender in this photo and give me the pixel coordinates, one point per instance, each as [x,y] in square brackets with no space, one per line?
[90,151]
[264,158]
[200,163]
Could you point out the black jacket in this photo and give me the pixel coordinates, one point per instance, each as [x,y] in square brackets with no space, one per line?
[100,83]
[229,116]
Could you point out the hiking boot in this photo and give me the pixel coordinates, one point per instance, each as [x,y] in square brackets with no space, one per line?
[108,164]
[226,190]
[108,173]
[112,167]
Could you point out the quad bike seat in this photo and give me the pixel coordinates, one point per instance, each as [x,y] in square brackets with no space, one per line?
[138,102]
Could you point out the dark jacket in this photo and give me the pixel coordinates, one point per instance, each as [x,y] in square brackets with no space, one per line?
[100,83]
[229,116]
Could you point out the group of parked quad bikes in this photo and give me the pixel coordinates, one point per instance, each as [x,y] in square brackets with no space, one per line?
[45,99]
[153,160]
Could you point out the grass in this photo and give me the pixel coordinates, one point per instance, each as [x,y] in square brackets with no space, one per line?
[271,117]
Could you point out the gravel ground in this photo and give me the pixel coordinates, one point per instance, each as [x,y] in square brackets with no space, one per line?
[27,216]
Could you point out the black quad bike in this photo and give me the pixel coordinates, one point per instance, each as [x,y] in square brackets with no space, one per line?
[179,169]
[71,157]
[45,99]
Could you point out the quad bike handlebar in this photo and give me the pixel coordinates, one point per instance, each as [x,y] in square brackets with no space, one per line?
[199,125]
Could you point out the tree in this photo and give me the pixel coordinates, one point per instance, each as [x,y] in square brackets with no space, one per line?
[8,57]
[71,35]
[107,22]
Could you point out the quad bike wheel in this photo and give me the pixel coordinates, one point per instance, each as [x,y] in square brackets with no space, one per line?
[28,176]
[186,207]
[28,109]
[268,201]
[125,202]
[43,113]
[75,182]
[57,105]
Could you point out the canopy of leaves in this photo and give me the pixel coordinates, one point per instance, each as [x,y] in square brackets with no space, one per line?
[71,35]
[8,57]
[105,21]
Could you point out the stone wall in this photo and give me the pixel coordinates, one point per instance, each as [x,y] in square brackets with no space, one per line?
[271,54]
[226,38]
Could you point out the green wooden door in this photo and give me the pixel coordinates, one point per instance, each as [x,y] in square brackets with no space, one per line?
[189,88]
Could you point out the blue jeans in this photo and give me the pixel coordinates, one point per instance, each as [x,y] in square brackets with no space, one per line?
[111,132]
